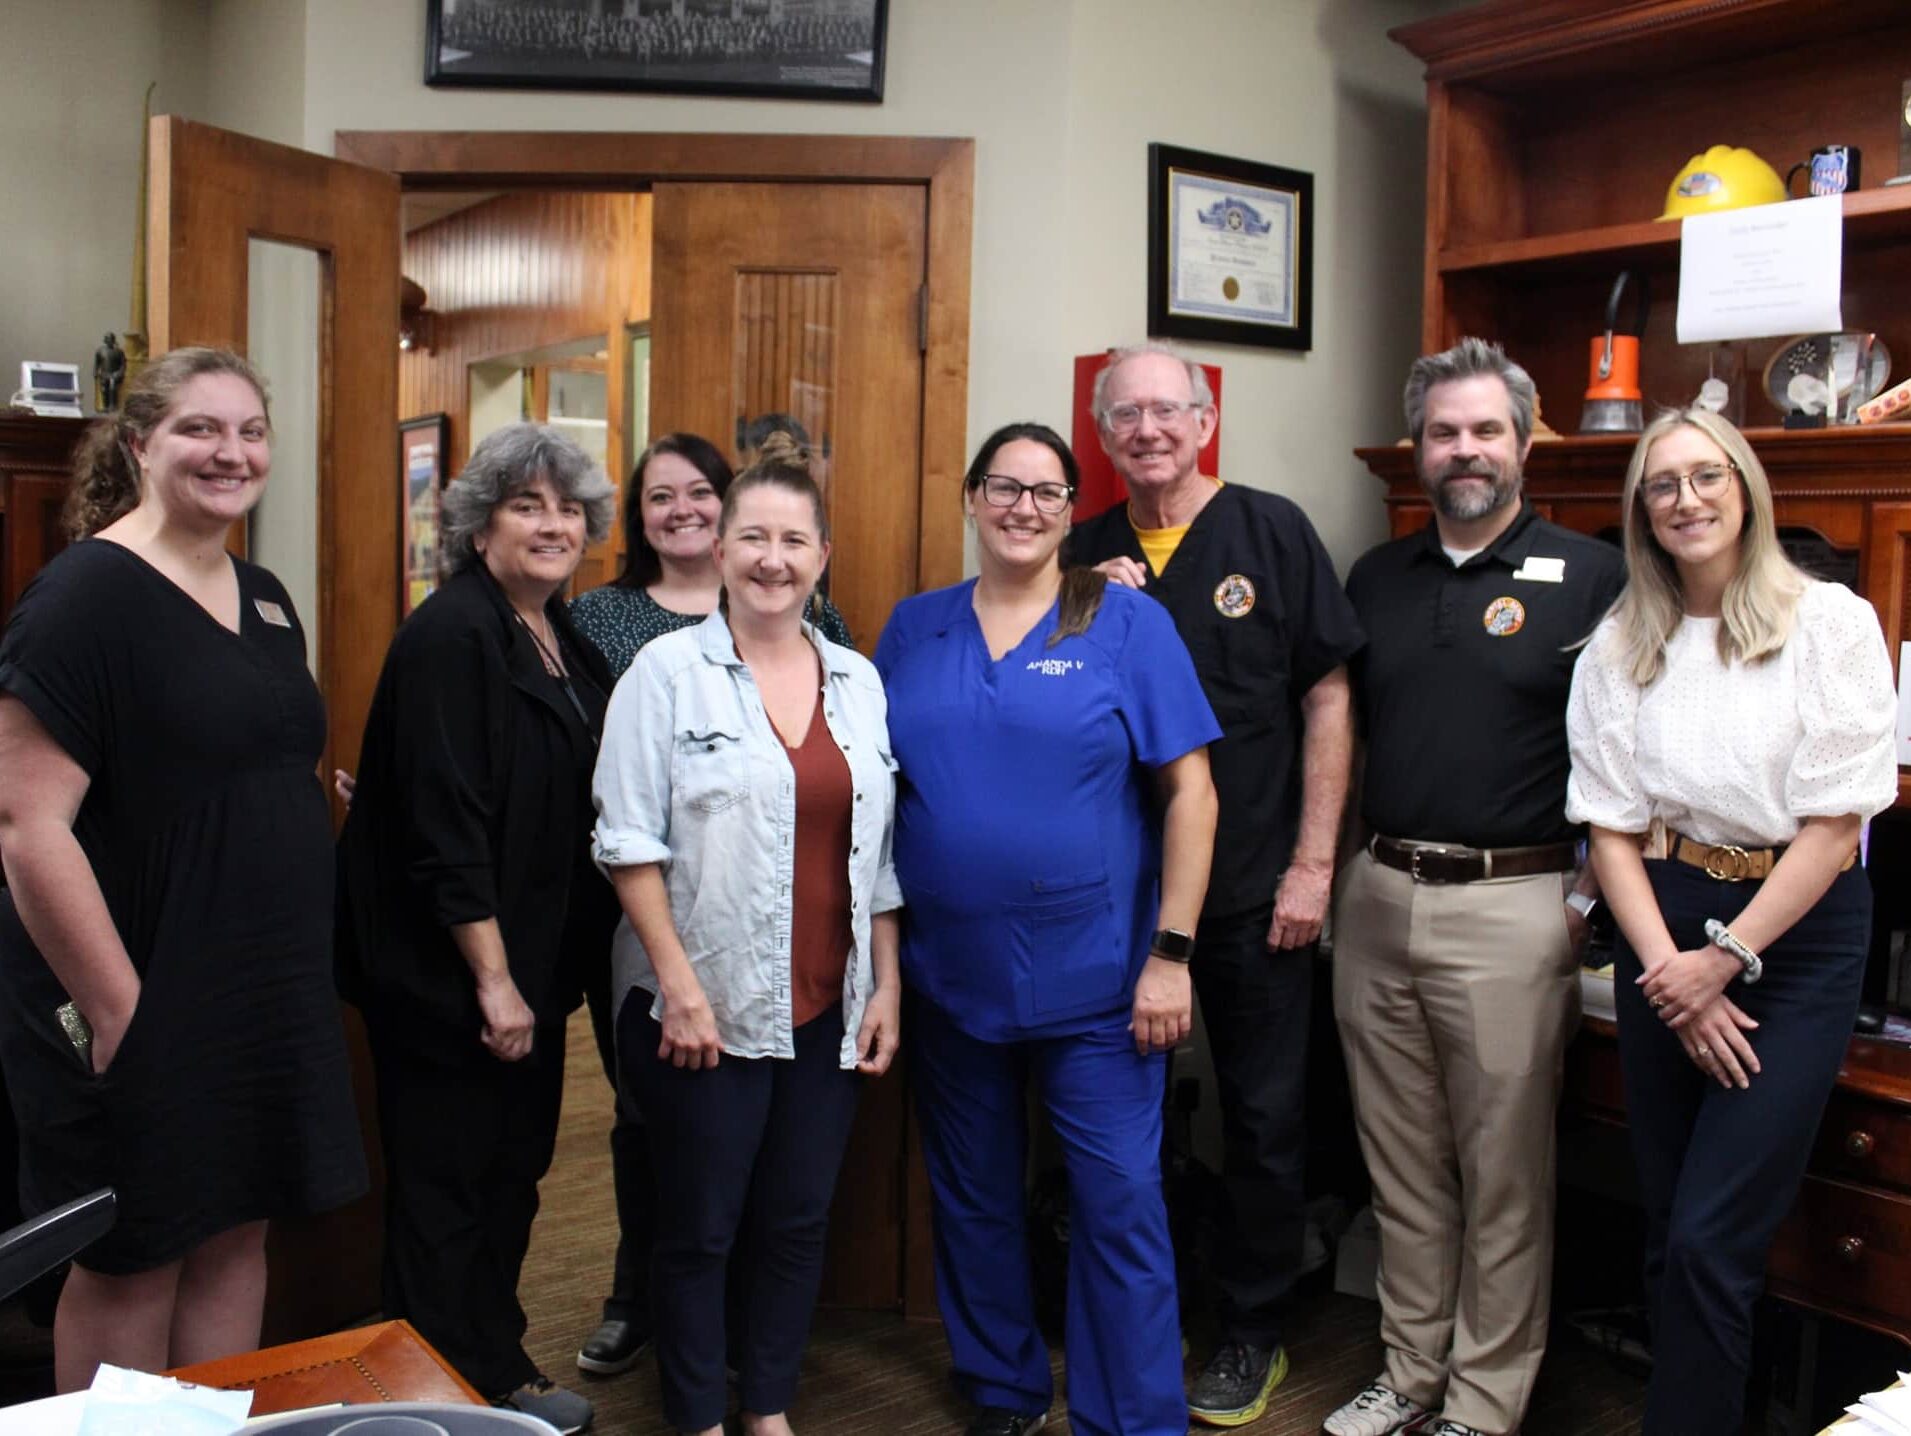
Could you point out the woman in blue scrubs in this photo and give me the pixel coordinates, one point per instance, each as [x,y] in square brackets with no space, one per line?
[1054,825]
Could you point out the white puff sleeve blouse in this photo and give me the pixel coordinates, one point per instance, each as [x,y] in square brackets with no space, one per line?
[1738,753]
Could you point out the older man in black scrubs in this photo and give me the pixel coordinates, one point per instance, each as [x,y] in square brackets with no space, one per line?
[1258,604]
[1458,929]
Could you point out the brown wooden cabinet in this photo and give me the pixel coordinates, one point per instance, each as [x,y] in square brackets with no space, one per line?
[36,455]
[1555,128]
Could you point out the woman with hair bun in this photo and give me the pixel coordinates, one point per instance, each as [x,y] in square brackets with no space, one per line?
[744,797]
[169,1026]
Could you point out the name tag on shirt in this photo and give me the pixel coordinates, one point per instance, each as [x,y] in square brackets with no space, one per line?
[274,615]
[1542,570]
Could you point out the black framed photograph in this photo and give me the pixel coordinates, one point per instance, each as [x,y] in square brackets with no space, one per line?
[421,484]
[790,49]
[1230,250]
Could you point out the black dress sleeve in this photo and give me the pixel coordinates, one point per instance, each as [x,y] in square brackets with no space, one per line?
[57,655]
[446,731]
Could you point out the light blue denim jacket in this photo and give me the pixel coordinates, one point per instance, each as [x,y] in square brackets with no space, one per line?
[692,776]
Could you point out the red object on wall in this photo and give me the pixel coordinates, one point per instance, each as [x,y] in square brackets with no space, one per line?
[1101,486]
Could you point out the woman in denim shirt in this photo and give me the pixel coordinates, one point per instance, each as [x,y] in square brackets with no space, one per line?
[744,799]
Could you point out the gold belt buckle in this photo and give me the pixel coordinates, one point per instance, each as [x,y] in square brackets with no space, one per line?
[1728,863]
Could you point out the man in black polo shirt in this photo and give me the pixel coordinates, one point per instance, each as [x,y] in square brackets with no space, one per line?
[1256,600]
[1456,943]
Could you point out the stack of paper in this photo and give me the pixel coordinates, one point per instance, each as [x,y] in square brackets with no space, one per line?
[1882,1413]
[1595,991]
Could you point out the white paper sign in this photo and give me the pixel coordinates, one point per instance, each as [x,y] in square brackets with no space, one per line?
[1904,703]
[1761,272]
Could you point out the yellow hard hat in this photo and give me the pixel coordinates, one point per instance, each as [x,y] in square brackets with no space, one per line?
[1724,177]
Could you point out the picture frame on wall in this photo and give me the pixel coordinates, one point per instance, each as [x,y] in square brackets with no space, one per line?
[787,49]
[421,486]
[1230,250]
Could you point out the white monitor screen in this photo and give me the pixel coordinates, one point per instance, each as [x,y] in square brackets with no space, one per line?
[44,379]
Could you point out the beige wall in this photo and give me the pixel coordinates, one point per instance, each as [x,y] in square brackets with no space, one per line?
[72,76]
[1061,96]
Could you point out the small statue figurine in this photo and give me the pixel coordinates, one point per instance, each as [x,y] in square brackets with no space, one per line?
[109,372]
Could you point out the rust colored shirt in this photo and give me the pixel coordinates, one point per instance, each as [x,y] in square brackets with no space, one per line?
[819,923]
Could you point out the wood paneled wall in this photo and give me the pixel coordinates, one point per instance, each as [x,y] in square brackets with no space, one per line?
[520,272]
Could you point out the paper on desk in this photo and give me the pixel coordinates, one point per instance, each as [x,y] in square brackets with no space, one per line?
[1764,271]
[1886,1412]
[137,1403]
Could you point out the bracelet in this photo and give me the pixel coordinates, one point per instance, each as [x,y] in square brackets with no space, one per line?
[1720,936]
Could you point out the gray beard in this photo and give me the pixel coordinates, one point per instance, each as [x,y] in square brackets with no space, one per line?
[1464,506]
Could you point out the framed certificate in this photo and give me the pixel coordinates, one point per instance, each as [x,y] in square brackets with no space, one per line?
[1230,250]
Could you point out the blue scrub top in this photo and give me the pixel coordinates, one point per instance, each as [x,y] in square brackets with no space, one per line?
[1027,839]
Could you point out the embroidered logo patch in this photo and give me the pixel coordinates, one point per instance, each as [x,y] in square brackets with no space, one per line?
[1053,667]
[1234,596]
[1504,617]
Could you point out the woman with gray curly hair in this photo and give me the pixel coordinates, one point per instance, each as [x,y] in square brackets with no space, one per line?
[469,912]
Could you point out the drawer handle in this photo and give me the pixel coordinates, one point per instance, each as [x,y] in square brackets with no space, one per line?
[1850,1249]
[1860,1144]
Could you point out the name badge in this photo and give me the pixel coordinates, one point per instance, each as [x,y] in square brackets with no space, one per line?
[1542,570]
[274,615]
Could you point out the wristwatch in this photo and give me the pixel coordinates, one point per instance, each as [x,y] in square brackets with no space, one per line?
[1171,943]
[1720,936]
[1585,904]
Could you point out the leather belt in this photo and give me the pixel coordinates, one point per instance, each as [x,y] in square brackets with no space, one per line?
[1442,863]
[1732,864]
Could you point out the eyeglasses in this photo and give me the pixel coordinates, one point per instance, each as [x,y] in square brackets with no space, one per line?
[1003,492]
[1708,481]
[1125,418]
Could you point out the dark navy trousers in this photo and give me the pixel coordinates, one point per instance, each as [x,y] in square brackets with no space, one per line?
[1104,1100]
[1718,1167]
[745,1154]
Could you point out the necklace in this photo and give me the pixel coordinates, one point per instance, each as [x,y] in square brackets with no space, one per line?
[545,651]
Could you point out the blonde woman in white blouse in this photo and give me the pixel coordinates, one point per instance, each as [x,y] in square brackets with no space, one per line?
[1747,711]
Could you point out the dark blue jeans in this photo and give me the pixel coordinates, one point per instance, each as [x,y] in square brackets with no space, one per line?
[746,1153]
[1719,1167]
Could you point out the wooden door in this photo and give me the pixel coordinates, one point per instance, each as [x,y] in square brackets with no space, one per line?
[805,300]
[212,193]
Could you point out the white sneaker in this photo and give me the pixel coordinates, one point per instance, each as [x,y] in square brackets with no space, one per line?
[1377,1411]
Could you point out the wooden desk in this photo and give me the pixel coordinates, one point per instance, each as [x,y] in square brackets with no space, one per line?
[386,1362]
[1845,1247]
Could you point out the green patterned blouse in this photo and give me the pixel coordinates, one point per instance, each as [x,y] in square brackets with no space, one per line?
[622,620]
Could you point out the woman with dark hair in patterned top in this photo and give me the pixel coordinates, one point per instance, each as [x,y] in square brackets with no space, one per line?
[669,582]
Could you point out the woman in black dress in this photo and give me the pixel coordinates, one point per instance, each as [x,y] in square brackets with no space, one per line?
[470,914]
[167,849]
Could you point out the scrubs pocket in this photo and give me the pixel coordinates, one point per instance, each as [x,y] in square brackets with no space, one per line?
[712,771]
[1066,948]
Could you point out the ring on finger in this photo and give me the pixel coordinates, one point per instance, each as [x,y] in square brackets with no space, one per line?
[1702,1051]
[1656,1003]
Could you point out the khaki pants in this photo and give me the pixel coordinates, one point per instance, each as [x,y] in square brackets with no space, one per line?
[1455,1002]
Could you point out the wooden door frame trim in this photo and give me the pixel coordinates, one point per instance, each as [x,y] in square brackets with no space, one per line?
[518,159]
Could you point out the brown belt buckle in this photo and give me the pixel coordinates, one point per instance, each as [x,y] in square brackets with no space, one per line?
[1727,863]
[1413,861]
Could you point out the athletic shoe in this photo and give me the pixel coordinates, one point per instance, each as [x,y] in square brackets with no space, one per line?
[1377,1411]
[1440,1426]
[1000,1421]
[565,1410]
[1234,1387]
[613,1348]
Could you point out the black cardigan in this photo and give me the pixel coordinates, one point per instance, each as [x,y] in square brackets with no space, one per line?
[473,801]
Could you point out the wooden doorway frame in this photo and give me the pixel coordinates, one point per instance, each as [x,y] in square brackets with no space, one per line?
[595,160]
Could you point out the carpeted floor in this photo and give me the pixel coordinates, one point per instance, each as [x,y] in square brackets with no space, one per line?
[867,1374]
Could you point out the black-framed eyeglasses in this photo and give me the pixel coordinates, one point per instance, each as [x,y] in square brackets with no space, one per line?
[1003,492]
[1708,481]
